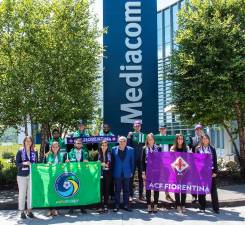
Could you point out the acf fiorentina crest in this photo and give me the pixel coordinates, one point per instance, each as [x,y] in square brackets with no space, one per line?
[180,165]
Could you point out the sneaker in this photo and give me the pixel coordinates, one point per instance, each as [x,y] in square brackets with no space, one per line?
[30,214]
[23,215]
[105,209]
[115,209]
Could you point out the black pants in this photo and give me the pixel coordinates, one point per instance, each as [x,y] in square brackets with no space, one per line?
[214,197]
[105,185]
[138,167]
[148,197]
[180,199]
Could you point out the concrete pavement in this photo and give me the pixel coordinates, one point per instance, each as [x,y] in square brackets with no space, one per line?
[234,216]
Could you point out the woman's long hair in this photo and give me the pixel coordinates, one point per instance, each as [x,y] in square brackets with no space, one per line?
[100,150]
[146,140]
[175,146]
[206,136]
[32,144]
[51,148]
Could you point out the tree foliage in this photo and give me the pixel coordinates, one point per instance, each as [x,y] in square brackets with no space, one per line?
[49,57]
[208,64]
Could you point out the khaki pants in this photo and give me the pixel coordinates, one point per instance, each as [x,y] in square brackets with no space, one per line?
[24,192]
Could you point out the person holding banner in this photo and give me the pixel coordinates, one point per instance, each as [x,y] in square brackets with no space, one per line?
[207,148]
[54,157]
[106,131]
[77,154]
[122,167]
[82,132]
[194,142]
[164,148]
[104,157]
[180,146]
[138,152]
[149,148]
[24,158]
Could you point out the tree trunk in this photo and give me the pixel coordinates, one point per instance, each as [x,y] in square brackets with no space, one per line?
[26,127]
[44,135]
[240,122]
[233,142]
[32,129]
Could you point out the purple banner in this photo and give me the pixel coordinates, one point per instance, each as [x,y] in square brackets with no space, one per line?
[93,139]
[179,172]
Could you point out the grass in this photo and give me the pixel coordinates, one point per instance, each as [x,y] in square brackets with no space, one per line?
[10,149]
[13,148]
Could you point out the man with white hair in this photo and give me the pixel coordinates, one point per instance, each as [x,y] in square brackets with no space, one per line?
[122,170]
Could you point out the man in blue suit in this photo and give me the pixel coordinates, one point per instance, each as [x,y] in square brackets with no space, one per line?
[122,167]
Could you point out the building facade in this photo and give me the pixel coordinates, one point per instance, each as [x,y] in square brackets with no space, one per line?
[167,25]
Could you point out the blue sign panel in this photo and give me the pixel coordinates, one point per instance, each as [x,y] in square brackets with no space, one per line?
[130,65]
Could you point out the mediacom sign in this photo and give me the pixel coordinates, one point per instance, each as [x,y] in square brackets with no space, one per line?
[130,64]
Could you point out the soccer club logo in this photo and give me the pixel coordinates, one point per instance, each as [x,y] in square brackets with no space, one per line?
[67,185]
[180,165]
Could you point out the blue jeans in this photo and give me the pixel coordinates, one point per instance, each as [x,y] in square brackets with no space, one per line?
[122,183]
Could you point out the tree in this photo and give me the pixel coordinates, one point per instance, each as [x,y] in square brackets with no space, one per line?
[49,59]
[208,66]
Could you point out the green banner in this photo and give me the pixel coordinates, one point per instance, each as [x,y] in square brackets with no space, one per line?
[140,138]
[67,184]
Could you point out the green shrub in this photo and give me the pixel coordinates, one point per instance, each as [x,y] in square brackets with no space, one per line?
[8,173]
[7,155]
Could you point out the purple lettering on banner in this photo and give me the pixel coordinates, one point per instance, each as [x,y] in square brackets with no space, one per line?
[179,172]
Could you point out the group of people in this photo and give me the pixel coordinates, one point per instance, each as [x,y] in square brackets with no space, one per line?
[119,164]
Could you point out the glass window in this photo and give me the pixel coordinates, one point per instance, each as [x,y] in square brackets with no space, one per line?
[167,34]
[175,19]
[159,20]
[167,50]
[159,52]
[167,17]
[159,37]
[222,139]
[218,139]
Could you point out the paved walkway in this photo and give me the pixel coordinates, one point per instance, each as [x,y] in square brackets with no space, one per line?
[233,216]
[229,196]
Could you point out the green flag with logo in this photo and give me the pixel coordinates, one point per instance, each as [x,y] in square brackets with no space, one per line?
[66,184]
